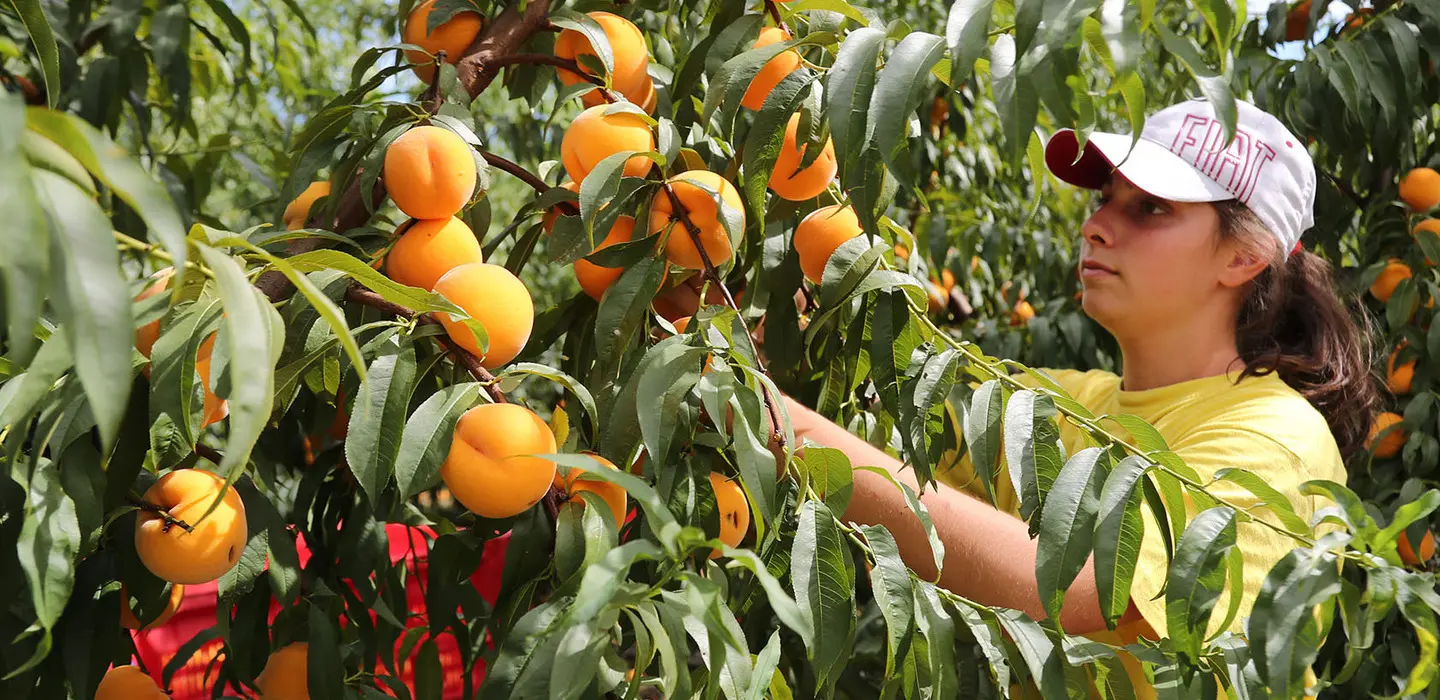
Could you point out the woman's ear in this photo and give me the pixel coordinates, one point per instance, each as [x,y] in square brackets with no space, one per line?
[1244,265]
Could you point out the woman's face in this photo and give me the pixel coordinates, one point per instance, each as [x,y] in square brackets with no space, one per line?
[1147,261]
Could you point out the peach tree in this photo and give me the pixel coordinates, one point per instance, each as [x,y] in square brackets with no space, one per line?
[245,330]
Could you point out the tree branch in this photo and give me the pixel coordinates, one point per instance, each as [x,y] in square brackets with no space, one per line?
[1346,190]
[504,36]
[528,177]
[774,11]
[162,512]
[777,433]
[363,296]
[209,453]
[548,60]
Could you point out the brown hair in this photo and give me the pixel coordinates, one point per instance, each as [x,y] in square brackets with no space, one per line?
[1294,324]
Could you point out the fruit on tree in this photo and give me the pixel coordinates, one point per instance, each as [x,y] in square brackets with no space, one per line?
[129,620]
[699,192]
[213,545]
[128,683]
[819,235]
[734,510]
[798,185]
[602,131]
[1394,273]
[1297,21]
[1412,557]
[497,299]
[594,278]
[1022,314]
[935,297]
[286,674]
[773,71]
[1420,189]
[298,210]
[429,249]
[681,324]
[146,335]
[575,482]
[1390,445]
[453,36]
[631,58]
[554,213]
[1431,225]
[1399,377]
[215,408]
[490,469]
[429,172]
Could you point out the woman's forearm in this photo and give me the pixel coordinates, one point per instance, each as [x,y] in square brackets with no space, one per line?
[989,556]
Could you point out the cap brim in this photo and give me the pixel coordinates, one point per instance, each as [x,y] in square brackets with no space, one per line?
[1149,166]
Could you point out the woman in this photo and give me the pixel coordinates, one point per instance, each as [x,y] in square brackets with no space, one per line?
[1235,347]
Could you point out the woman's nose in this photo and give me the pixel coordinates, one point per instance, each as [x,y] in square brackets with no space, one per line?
[1096,232]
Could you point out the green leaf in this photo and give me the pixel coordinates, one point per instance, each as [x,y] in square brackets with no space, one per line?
[668,379]
[592,32]
[982,432]
[753,456]
[1405,515]
[849,84]
[22,394]
[1197,577]
[1032,451]
[429,674]
[93,302]
[829,472]
[1118,534]
[823,578]
[582,394]
[25,265]
[1045,661]
[425,442]
[1214,86]
[121,174]
[602,579]
[253,353]
[929,391]
[625,304]
[48,545]
[898,92]
[1132,89]
[1067,525]
[1014,96]
[766,137]
[37,25]
[1422,622]
[767,664]
[966,30]
[1145,435]
[847,267]
[378,419]
[577,657]
[938,629]
[893,338]
[890,582]
[1283,632]
[1270,498]
[785,607]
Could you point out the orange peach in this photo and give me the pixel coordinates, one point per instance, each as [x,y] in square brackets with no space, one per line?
[213,545]
[497,299]
[429,249]
[490,469]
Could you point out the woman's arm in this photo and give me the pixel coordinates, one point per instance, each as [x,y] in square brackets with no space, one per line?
[989,556]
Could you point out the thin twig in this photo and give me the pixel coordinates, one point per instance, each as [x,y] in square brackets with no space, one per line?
[1346,190]
[162,512]
[774,9]
[363,296]
[777,432]
[432,93]
[531,179]
[209,453]
[549,60]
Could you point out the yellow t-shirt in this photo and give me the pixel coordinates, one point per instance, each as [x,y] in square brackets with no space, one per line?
[1260,425]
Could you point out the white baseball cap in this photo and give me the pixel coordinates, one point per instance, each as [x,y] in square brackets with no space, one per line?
[1180,156]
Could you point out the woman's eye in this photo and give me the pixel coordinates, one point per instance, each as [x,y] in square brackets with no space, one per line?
[1150,208]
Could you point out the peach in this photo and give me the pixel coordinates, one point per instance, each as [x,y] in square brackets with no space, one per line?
[490,469]
[773,71]
[497,299]
[453,36]
[627,48]
[820,234]
[128,683]
[576,482]
[429,249]
[286,674]
[596,135]
[129,620]
[214,544]
[298,211]
[595,279]
[734,510]
[798,185]
[703,207]
[430,172]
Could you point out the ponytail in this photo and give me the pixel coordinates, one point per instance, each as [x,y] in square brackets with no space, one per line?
[1292,323]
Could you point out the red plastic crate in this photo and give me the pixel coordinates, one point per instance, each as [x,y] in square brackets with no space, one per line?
[196,679]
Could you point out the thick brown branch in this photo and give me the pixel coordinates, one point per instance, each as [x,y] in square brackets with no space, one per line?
[361,295]
[504,36]
[161,511]
[209,453]
[777,433]
[528,177]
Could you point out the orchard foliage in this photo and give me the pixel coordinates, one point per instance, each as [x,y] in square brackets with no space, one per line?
[186,128]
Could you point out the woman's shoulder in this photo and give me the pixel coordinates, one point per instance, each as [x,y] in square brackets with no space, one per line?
[1278,419]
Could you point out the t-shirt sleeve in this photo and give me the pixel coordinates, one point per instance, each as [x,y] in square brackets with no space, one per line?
[1206,451]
